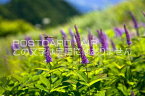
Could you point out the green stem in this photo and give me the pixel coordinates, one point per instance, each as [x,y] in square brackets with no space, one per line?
[137,32]
[50,75]
[87,78]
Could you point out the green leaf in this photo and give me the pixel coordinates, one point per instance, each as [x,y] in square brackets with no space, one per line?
[101,93]
[42,69]
[57,83]
[92,82]
[82,76]
[123,89]
[45,81]
[48,71]
[59,89]
[41,87]
[98,70]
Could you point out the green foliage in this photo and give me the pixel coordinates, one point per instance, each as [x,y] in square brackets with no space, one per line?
[106,74]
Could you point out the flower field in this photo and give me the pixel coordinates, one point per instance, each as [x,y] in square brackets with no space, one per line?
[89,56]
[116,69]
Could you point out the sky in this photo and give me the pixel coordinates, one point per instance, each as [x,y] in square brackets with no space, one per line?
[90,5]
[4,1]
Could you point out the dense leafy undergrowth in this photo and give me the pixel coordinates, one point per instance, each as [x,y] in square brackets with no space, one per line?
[108,73]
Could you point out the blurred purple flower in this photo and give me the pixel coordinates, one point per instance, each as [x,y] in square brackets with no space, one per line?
[113,45]
[142,24]
[72,38]
[143,13]
[96,40]
[47,51]
[118,32]
[82,53]
[90,38]
[127,35]
[14,46]
[65,43]
[132,93]
[28,42]
[136,26]
[103,40]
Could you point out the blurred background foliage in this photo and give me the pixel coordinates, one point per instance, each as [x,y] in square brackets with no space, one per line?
[22,16]
[14,27]
[34,11]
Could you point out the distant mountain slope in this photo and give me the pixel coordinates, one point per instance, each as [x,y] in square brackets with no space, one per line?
[34,11]
[107,19]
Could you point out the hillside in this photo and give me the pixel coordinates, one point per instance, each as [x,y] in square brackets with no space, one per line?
[35,11]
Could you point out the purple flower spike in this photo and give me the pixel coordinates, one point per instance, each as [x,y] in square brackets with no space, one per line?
[41,40]
[82,53]
[84,59]
[118,32]
[65,43]
[28,42]
[103,40]
[77,32]
[47,51]
[113,45]
[136,26]
[72,38]
[127,35]
[90,38]
[49,39]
